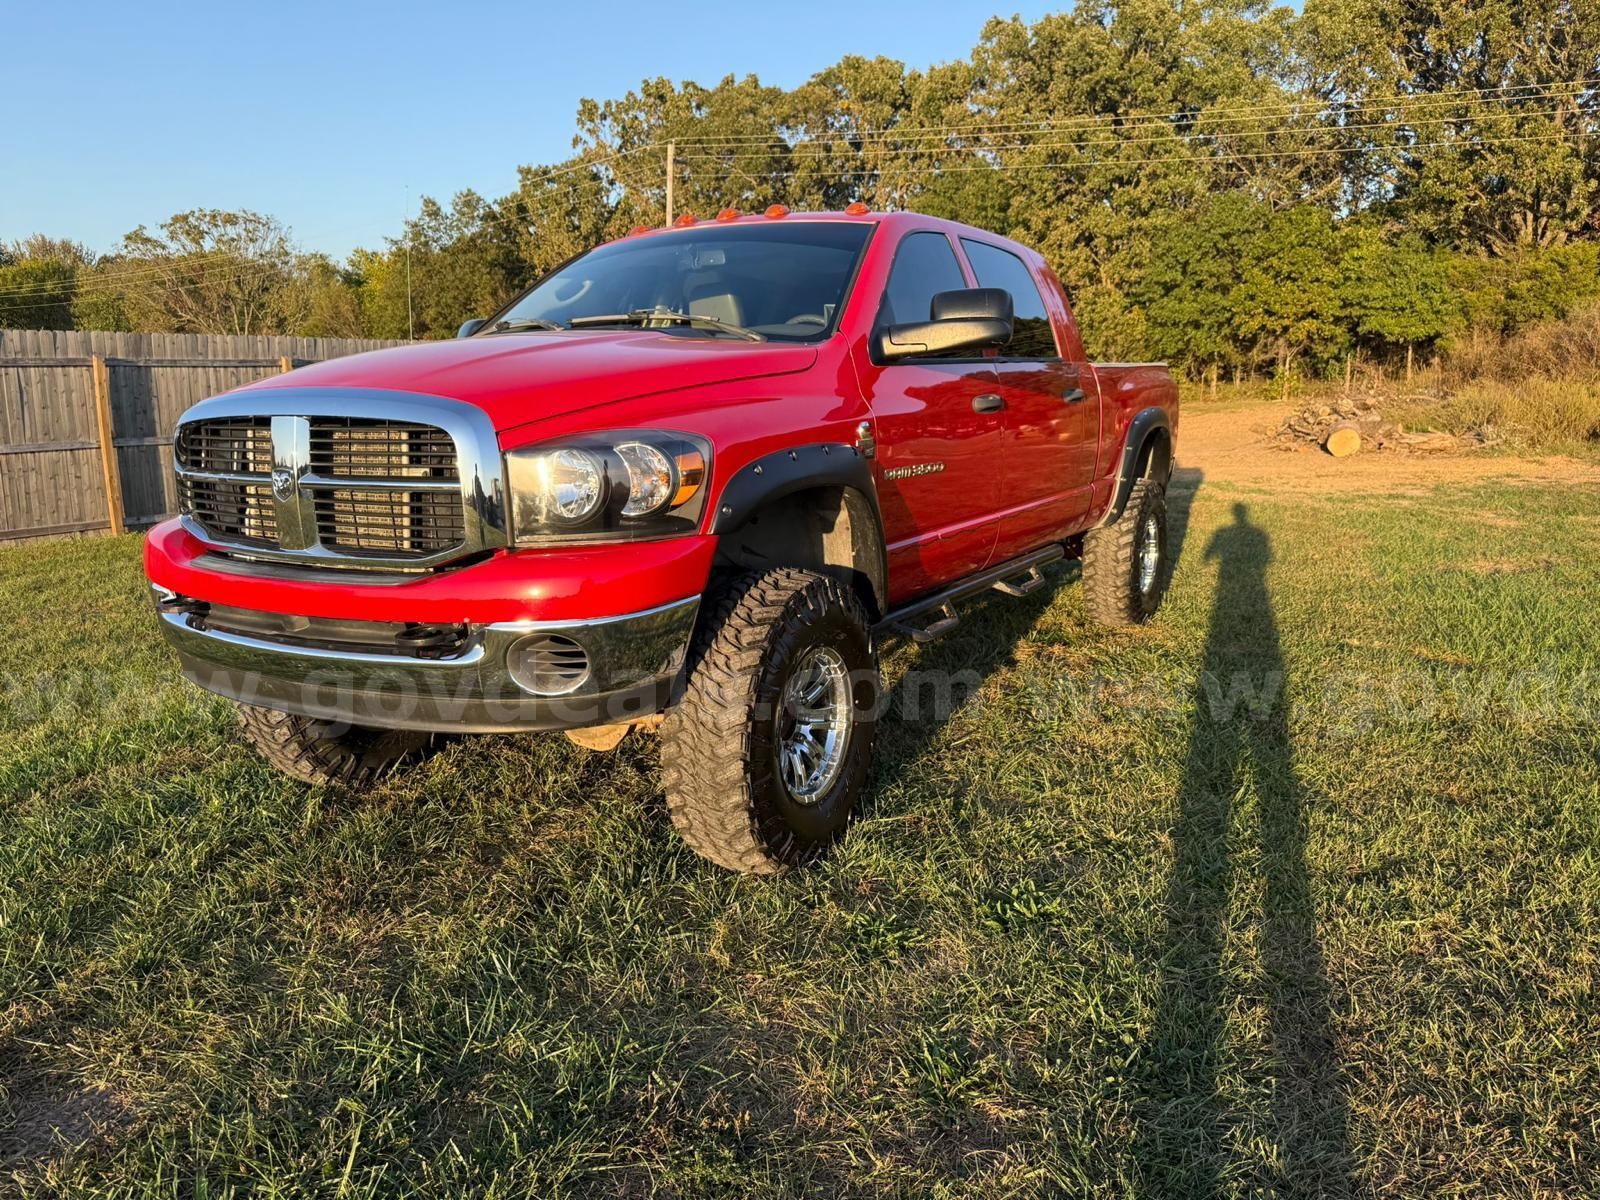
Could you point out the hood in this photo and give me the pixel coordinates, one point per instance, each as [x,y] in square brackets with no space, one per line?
[520,377]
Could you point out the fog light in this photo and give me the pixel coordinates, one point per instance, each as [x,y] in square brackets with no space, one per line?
[548,664]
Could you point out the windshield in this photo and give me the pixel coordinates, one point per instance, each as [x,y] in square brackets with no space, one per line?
[786,282]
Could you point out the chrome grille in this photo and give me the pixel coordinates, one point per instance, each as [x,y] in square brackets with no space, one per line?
[372,491]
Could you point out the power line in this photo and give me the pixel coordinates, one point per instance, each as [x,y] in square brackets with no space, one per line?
[540,204]
[1219,156]
[914,172]
[1491,95]
[805,152]
[229,259]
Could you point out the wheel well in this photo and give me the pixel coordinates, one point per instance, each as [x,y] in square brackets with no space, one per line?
[832,530]
[1155,456]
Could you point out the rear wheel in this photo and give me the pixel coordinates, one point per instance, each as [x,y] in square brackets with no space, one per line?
[766,755]
[317,751]
[1125,564]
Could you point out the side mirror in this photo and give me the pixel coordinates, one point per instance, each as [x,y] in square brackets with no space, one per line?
[969,319]
[468,328]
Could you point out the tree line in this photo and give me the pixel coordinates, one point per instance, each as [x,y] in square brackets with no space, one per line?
[1233,187]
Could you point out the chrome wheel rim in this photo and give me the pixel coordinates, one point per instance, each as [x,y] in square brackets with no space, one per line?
[1149,553]
[814,719]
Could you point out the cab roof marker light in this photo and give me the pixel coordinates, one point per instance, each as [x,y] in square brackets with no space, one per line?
[686,220]
[637,230]
[856,209]
[776,212]
[728,214]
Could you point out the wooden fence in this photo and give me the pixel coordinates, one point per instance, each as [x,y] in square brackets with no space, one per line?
[86,419]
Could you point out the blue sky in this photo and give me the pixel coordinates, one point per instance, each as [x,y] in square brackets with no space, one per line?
[324,114]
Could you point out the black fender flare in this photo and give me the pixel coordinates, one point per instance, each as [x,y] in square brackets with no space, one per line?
[802,468]
[1147,425]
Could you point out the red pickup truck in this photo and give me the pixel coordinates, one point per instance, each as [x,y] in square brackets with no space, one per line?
[698,471]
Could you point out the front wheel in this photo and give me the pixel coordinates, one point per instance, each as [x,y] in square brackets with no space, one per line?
[317,751]
[765,756]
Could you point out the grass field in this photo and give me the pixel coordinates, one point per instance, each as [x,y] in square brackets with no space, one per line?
[1294,892]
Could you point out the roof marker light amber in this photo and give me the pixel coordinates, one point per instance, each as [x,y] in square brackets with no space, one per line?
[638,229]
[728,214]
[776,211]
[686,220]
[856,209]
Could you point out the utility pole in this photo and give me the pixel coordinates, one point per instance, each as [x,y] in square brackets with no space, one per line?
[411,324]
[672,158]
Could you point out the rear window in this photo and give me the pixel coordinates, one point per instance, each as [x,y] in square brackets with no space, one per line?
[1033,336]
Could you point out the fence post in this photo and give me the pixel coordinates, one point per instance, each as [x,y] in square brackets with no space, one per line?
[108,449]
[285,365]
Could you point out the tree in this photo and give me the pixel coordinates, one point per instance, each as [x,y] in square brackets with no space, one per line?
[1397,293]
[210,271]
[39,279]
[1190,291]
[1288,293]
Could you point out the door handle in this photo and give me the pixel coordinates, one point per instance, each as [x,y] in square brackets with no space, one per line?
[1075,396]
[987,403]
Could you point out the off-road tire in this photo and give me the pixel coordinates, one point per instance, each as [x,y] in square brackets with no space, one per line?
[1111,585]
[317,751]
[719,743]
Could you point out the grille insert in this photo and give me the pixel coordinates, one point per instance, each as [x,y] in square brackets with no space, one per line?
[389,521]
[365,449]
[239,511]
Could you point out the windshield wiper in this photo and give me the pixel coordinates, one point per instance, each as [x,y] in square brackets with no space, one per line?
[644,316]
[512,324]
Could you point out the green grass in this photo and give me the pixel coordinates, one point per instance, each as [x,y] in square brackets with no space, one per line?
[1091,937]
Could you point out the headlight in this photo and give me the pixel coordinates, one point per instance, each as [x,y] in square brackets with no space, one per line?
[607,487]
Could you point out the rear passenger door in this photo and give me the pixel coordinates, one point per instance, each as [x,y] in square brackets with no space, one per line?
[938,431]
[1052,412]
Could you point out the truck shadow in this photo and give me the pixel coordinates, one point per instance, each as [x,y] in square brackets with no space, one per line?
[1239,771]
[949,672]
[1181,491]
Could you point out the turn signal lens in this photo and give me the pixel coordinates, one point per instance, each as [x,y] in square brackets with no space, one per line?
[691,474]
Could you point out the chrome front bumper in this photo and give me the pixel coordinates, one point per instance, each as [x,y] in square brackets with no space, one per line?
[634,664]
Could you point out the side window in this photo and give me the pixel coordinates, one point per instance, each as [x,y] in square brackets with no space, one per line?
[924,265]
[997,268]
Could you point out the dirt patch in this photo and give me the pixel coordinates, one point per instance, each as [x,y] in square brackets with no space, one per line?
[1242,447]
[44,1116]
[1503,566]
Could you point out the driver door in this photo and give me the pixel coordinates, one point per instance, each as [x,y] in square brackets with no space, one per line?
[938,427]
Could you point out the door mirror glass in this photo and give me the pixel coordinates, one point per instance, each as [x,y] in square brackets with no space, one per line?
[973,319]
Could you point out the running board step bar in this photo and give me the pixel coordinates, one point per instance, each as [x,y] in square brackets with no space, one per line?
[1017,577]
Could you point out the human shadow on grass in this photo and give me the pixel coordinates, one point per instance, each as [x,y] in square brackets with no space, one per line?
[1239,757]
